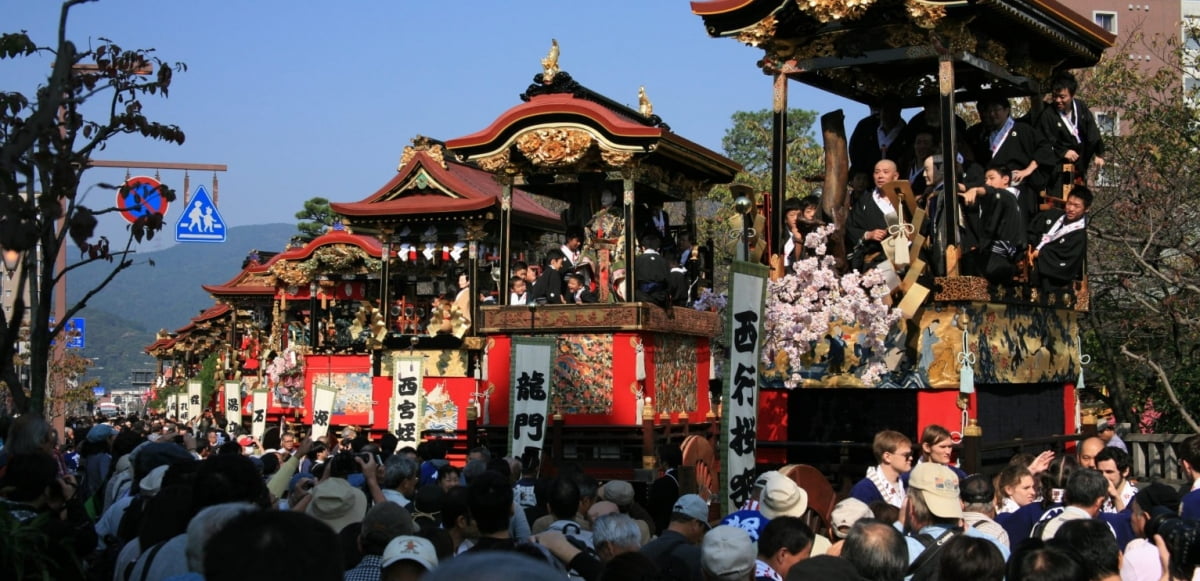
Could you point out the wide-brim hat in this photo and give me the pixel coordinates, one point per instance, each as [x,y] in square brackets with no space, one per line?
[338,504]
[781,496]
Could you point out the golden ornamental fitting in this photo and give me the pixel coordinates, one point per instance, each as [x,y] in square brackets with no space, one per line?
[973,430]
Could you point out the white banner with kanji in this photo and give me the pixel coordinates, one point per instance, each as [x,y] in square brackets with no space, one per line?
[233,406]
[739,422]
[258,422]
[194,388]
[322,410]
[408,374]
[532,358]
[173,405]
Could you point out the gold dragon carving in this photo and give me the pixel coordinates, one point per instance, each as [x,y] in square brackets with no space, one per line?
[554,147]
[494,163]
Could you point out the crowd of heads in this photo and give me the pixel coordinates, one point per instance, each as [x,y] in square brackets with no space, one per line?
[143,504]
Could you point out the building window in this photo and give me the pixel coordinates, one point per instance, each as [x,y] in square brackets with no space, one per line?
[1109,123]
[1191,33]
[1105,20]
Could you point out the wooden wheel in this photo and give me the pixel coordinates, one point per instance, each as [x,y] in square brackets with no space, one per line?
[699,455]
[821,497]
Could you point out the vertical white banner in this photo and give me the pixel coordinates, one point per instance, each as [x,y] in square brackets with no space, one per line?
[233,406]
[739,422]
[173,406]
[194,389]
[322,410]
[258,422]
[408,374]
[532,358]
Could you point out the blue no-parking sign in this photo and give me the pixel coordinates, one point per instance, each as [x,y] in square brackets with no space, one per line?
[200,221]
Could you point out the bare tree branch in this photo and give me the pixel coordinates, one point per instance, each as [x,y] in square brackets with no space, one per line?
[1166,383]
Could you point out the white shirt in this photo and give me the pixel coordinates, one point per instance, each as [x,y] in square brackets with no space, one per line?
[396,497]
[1127,492]
[111,519]
[572,255]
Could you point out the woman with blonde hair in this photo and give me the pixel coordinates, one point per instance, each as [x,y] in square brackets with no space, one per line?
[1014,488]
[937,446]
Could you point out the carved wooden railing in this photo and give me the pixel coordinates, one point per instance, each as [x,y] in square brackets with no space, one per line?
[1156,457]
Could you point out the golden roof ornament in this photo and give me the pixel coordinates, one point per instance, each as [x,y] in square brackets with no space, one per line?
[550,63]
[431,147]
[644,104]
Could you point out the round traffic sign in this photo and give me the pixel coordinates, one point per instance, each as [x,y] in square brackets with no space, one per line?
[141,196]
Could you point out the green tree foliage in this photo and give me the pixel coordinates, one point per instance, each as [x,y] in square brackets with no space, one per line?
[748,142]
[46,144]
[315,219]
[1144,247]
[209,374]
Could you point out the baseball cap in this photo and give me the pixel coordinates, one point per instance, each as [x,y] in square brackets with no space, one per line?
[617,492]
[296,478]
[940,487]
[977,489]
[693,506]
[727,551]
[100,432]
[846,513]
[337,504]
[152,455]
[409,548]
[781,497]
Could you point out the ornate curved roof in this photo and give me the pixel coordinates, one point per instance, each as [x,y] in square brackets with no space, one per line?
[614,129]
[211,313]
[564,127]
[253,280]
[868,49]
[428,185]
[368,244]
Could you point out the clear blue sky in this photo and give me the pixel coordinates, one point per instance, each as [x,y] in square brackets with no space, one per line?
[306,98]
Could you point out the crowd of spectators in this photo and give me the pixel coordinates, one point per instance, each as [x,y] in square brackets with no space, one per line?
[145,499]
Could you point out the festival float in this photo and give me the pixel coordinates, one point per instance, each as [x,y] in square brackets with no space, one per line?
[599,384]
[842,359]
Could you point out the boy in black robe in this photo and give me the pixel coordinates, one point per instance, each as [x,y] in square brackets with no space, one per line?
[994,230]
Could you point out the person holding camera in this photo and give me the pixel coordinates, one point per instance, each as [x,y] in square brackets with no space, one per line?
[1151,504]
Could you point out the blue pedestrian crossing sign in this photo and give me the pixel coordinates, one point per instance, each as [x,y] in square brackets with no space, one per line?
[199,221]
